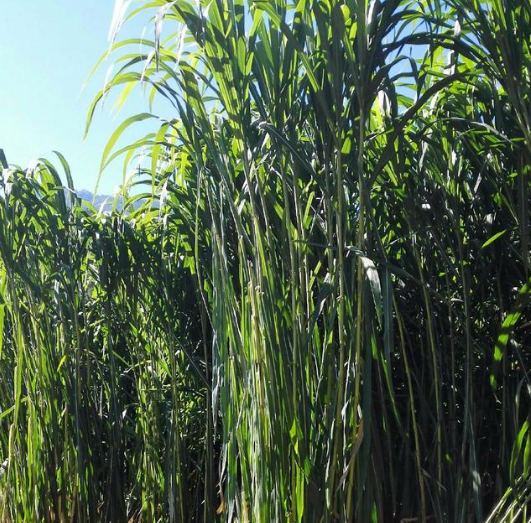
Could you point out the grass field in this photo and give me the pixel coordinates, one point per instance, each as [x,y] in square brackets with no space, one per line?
[313,305]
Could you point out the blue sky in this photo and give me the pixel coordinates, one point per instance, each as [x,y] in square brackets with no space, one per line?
[48,49]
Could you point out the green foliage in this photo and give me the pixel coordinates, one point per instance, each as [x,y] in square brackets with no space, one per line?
[101,373]
[324,316]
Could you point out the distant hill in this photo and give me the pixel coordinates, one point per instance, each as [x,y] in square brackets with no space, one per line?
[102,199]
[97,200]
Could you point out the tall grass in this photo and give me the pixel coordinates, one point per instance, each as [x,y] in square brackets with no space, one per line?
[98,399]
[324,316]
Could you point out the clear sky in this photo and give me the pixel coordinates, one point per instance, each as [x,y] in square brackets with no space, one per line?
[47,50]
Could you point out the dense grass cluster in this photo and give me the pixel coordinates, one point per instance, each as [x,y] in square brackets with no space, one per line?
[317,309]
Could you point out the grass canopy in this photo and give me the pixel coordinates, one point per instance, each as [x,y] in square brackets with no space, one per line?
[316,307]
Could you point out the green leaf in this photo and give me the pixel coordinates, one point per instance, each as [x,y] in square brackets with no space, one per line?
[494,238]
